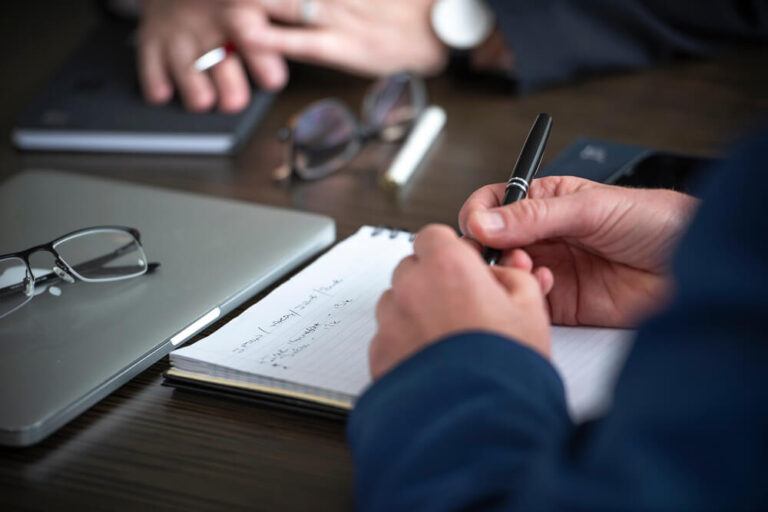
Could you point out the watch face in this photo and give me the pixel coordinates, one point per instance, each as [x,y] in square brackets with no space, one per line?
[462,24]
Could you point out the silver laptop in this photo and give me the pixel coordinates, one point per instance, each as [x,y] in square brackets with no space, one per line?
[72,344]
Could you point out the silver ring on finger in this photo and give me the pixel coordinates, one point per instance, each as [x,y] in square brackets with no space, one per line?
[308,12]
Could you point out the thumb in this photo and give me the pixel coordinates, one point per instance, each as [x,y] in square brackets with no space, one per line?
[531,220]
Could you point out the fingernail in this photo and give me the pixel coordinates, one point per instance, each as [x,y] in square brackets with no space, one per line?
[490,221]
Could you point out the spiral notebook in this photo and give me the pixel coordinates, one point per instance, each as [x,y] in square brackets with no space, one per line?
[305,345]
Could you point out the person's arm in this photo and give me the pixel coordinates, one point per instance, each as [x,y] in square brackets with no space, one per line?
[457,427]
[477,422]
[558,40]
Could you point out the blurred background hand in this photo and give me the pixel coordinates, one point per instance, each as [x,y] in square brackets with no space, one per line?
[608,247]
[369,38]
[174,33]
[364,37]
[444,288]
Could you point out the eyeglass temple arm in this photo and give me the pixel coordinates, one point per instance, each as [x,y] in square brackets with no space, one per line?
[51,276]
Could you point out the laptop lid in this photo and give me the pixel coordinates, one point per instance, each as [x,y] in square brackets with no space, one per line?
[63,351]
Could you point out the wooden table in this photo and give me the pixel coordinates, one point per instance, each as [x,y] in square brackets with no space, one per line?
[149,447]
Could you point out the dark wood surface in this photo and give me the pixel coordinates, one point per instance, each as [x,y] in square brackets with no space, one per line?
[148,446]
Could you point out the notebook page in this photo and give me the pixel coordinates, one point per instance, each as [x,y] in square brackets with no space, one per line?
[588,360]
[315,328]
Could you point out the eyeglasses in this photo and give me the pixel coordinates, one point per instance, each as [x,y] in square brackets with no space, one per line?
[325,136]
[94,255]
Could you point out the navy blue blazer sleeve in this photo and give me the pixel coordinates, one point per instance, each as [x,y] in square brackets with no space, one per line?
[557,40]
[478,422]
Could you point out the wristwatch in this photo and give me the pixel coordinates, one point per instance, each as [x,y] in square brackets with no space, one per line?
[462,24]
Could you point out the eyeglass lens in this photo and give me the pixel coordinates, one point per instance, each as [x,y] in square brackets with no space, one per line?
[15,284]
[326,135]
[99,254]
[392,102]
[103,254]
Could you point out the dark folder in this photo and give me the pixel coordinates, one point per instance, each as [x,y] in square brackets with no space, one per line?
[94,104]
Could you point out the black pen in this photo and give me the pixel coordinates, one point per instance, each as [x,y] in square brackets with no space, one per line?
[525,170]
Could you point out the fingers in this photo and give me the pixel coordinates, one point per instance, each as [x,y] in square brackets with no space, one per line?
[155,83]
[532,220]
[524,283]
[384,306]
[545,279]
[377,349]
[268,70]
[174,35]
[301,44]
[473,244]
[195,88]
[390,344]
[231,84]
[361,37]
[518,259]
[484,198]
[403,269]
[491,196]
[521,260]
[244,25]
[436,239]
[558,186]
[313,12]
[513,279]
[516,280]
[433,239]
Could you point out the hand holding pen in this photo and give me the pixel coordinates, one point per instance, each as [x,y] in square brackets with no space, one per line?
[525,170]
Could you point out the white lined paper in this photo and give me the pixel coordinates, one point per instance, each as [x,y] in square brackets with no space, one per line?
[311,334]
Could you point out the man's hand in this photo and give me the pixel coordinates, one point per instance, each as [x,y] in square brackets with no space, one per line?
[365,37]
[607,247]
[174,33]
[446,287]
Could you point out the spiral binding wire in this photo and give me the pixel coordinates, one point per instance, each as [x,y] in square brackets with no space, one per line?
[392,232]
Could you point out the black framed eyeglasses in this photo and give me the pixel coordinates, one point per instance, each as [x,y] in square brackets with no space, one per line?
[326,135]
[95,255]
